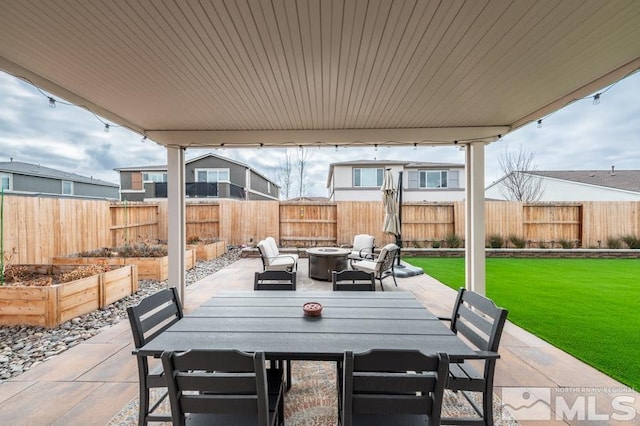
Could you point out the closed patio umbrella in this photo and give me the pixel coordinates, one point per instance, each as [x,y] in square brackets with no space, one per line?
[391,223]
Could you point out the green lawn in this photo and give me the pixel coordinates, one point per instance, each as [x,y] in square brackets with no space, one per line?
[589,308]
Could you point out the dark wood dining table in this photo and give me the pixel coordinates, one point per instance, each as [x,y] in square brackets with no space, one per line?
[274,322]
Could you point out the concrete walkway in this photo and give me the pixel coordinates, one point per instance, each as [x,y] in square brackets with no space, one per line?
[91,382]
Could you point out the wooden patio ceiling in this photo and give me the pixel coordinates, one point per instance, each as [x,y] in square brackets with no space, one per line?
[320,72]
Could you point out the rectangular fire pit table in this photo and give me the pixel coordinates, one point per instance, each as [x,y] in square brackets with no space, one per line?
[324,260]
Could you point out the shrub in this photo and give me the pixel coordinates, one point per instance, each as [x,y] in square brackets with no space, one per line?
[453,241]
[614,243]
[135,250]
[517,241]
[23,275]
[565,244]
[542,244]
[435,244]
[631,241]
[193,239]
[496,241]
[417,244]
[196,239]
[17,273]
[82,272]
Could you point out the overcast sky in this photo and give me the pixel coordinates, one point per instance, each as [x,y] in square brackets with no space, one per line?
[581,136]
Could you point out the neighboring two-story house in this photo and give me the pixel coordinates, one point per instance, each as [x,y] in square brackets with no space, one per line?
[17,177]
[576,185]
[206,176]
[421,181]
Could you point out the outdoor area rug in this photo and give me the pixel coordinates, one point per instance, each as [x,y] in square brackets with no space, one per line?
[312,400]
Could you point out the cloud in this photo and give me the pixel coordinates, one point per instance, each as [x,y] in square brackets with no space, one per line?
[69,138]
[582,136]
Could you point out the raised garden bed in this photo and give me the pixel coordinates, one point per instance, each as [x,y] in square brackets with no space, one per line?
[208,250]
[43,301]
[149,268]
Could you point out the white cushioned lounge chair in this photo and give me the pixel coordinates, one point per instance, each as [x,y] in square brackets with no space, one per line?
[273,260]
[362,247]
[382,266]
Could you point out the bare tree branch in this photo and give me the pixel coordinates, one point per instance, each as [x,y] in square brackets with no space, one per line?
[283,174]
[304,155]
[518,185]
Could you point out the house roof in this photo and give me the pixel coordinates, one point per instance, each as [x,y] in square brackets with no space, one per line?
[316,73]
[432,165]
[28,169]
[159,168]
[311,199]
[627,180]
[209,154]
[369,162]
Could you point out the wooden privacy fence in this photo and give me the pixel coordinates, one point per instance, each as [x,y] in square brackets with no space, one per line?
[546,222]
[133,222]
[236,222]
[308,225]
[37,229]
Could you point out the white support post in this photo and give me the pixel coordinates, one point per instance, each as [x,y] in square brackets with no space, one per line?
[176,219]
[475,271]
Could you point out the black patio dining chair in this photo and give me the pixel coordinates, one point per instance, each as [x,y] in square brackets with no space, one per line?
[480,322]
[274,280]
[277,280]
[393,387]
[350,280]
[221,387]
[149,318]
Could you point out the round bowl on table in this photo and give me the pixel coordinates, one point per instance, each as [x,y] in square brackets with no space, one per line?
[312,309]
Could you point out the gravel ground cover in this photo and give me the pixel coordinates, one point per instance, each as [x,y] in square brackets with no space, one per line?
[24,347]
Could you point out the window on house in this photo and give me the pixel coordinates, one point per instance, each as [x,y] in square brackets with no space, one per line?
[154,177]
[67,187]
[367,177]
[212,175]
[434,179]
[5,181]
[136,181]
[454,179]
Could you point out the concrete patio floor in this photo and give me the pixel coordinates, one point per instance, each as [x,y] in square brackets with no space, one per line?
[91,382]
